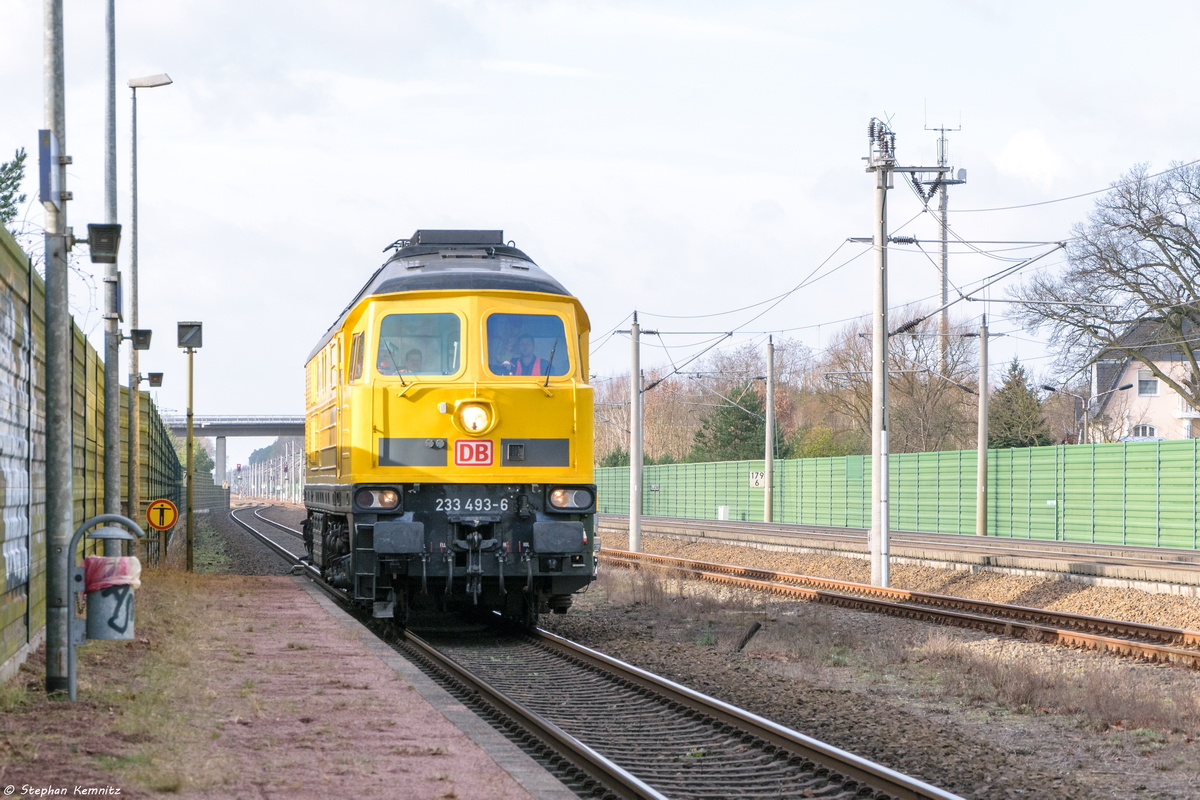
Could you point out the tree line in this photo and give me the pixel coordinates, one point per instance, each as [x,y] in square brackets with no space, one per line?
[716,410]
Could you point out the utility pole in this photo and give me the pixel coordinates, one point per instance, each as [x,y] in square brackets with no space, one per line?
[881,160]
[981,468]
[769,451]
[60,500]
[944,222]
[635,439]
[112,332]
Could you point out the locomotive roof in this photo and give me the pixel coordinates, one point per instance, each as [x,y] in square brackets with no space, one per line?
[466,260]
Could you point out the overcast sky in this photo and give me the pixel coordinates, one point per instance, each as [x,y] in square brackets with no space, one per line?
[679,158]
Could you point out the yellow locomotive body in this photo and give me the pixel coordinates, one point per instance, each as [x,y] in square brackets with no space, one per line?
[449,435]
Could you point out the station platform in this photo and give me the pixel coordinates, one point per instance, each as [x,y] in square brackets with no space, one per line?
[336,712]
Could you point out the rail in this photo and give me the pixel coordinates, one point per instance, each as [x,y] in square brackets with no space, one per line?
[1072,630]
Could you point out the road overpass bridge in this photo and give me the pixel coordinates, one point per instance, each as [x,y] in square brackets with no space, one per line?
[221,427]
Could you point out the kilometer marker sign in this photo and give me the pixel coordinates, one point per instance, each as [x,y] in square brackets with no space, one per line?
[162,515]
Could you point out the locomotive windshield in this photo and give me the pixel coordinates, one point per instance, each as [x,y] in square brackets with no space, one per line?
[527,344]
[419,344]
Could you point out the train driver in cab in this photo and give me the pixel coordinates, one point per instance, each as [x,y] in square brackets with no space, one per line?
[412,362]
[526,362]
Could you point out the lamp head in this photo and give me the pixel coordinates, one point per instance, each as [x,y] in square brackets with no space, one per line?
[1126,386]
[141,338]
[1049,388]
[155,379]
[104,240]
[150,81]
[110,533]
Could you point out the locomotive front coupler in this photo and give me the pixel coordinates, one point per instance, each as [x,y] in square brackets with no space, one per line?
[473,540]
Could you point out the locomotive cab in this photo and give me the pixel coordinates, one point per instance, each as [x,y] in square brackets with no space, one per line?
[449,435]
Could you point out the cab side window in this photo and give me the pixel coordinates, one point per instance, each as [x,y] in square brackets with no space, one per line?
[356,356]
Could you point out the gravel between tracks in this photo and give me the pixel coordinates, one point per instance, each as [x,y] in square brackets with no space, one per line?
[248,556]
[942,704]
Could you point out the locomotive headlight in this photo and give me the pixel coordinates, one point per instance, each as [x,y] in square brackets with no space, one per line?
[571,499]
[474,418]
[377,498]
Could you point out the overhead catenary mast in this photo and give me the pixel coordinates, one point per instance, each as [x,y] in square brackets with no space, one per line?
[881,160]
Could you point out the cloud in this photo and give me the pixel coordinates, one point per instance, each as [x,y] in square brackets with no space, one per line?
[538,68]
[1029,154]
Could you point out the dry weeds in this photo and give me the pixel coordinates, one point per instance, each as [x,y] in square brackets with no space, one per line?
[1098,709]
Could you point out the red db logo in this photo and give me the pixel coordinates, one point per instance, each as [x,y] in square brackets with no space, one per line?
[473,453]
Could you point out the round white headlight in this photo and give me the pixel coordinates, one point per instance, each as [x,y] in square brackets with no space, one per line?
[474,418]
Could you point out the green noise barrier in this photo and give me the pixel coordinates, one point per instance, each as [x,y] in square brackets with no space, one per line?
[1135,493]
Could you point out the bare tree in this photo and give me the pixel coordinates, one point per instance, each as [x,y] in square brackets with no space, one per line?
[1138,254]
[677,404]
[927,410]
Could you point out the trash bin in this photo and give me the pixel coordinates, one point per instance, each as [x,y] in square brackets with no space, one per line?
[109,583]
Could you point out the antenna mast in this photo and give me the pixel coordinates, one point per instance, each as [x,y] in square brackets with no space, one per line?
[943,154]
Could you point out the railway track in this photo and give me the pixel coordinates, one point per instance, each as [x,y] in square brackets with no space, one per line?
[953,547]
[1131,639]
[623,732]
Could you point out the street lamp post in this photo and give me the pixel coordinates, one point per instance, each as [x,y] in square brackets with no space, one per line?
[135,378]
[112,333]
[1085,433]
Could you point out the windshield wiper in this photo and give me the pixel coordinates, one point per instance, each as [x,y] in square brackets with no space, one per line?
[395,363]
[550,363]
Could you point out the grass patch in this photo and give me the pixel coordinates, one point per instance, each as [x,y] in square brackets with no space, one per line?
[209,553]
[13,696]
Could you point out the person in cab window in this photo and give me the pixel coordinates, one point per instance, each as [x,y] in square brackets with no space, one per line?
[412,361]
[385,365]
[526,362]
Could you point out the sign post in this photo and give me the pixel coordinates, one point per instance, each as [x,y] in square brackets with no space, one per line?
[190,338]
[162,516]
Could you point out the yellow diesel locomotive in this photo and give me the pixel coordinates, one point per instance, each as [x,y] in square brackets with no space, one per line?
[449,435]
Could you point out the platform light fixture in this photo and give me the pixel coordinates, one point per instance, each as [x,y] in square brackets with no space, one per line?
[104,240]
[155,379]
[141,338]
